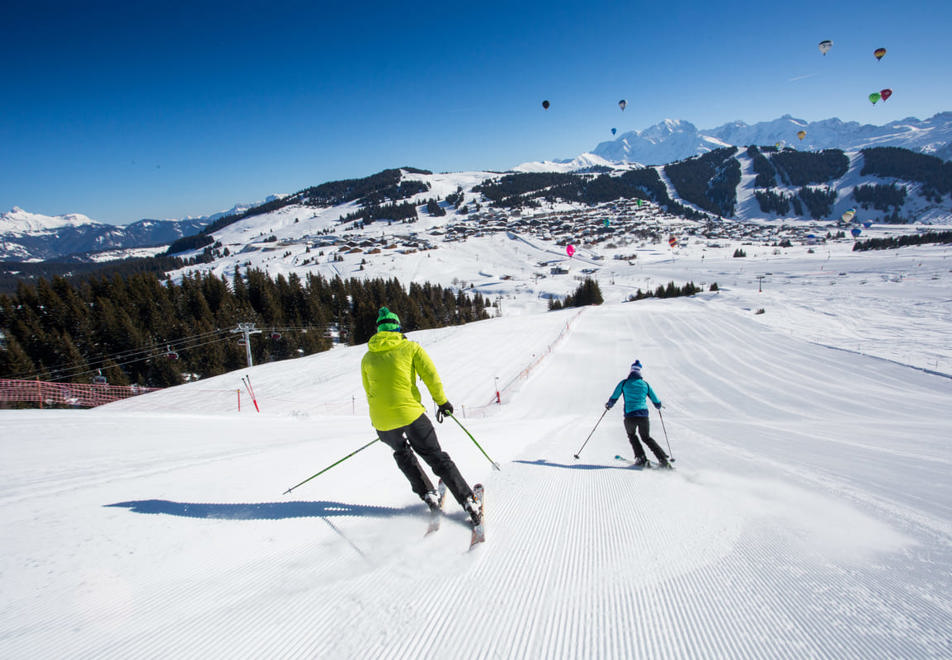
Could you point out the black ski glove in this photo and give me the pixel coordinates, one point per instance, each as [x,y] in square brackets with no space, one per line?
[444,409]
[609,404]
[658,405]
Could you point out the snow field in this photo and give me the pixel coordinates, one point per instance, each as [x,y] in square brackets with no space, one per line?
[809,515]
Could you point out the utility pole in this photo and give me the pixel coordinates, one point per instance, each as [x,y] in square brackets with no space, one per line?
[246,330]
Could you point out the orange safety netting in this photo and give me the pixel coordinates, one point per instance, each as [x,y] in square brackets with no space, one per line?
[65,394]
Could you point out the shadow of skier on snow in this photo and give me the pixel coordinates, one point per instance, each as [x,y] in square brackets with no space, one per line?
[268,510]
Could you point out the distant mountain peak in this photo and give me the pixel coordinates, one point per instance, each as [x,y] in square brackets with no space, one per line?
[676,139]
[16,220]
[581,162]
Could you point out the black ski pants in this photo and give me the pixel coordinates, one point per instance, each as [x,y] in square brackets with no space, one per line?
[420,437]
[641,425]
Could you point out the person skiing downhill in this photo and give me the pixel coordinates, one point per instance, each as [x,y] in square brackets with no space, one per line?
[389,371]
[635,390]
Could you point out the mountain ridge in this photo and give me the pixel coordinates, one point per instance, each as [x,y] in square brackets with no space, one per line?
[674,139]
[745,196]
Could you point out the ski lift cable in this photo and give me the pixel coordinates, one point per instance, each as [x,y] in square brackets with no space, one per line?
[121,357]
[75,372]
[154,350]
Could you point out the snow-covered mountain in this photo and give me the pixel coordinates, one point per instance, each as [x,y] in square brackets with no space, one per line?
[673,140]
[586,161]
[26,236]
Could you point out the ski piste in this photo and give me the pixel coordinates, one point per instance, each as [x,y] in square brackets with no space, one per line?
[479,531]
[436,515]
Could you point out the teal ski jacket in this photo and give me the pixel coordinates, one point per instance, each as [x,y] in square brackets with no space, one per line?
[635,389]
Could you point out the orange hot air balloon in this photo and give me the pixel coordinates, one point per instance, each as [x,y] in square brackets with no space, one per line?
[672,241]
[801,134]
[885,94]
[879,52]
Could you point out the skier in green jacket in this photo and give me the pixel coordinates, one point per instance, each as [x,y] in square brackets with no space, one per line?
[389,371]
[635,389]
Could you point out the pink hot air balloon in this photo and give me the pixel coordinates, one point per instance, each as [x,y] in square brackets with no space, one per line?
[885,94]
[570,249]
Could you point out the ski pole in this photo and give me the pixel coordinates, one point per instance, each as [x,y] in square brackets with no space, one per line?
[670,457]
[590,435]
[332,465]
[495,464]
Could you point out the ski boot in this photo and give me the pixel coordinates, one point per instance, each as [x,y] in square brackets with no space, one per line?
[432,499]
[475,511]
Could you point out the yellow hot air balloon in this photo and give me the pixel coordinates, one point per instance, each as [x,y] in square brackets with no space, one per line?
[879,52]
[801,134]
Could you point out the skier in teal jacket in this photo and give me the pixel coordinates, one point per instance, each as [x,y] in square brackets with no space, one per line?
[635,389]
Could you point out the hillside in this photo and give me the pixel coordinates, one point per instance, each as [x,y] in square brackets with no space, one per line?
[905,185]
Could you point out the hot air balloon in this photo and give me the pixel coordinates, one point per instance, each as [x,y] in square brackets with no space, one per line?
[672,241]
[856,231]
[614,130]
[879,52]
[801,134]
[867,224]
[885,94]
[545,104]
[848,215]
[875,96]
[570,249]
[607,222]
[825,46]
[622,104]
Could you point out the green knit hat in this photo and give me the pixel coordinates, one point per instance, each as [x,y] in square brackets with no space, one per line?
[387,321]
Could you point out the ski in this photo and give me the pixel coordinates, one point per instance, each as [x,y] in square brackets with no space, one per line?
[630,463]
[436,515]
[479,531]
[647,465]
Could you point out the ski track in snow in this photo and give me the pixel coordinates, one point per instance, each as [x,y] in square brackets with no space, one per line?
[786,531]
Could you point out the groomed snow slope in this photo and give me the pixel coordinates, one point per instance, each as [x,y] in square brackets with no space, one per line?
[809,515]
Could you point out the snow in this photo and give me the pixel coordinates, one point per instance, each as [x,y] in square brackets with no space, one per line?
[581,162]
[17,221]
[675,139]
[810,514]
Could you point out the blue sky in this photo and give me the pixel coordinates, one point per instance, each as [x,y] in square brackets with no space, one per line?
[123,112]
